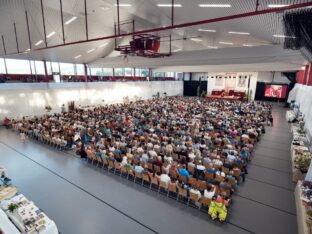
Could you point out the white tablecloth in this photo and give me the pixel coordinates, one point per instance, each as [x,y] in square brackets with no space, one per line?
[27,210]
[6,225]
[290,116]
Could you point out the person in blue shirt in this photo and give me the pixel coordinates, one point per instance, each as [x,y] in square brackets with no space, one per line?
[184,172]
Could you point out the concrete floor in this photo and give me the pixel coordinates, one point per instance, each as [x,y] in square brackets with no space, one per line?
[81,198]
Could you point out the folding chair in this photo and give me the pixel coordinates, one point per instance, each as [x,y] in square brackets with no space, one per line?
[146,180]
[182,178]
[138,176]
[192,182]
[182,193]
[118,167]
[173,189]
[193,198]
[205,203]
[163,188]
[202,185]
[154,183]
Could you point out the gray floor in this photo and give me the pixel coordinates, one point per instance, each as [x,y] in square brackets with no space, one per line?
[83,199]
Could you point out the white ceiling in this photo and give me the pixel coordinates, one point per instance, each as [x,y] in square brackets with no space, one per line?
[101,18]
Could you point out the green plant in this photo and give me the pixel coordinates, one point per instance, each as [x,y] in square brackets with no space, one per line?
[301,131]
[12,207]
[48,108]
[309,213]
[303,161]
[309,216]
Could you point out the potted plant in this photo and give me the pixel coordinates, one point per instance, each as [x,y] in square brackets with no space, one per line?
[302,162]
[309,217]
[48,108]
[12,207]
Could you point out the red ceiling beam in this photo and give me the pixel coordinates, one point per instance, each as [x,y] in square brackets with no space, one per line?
[184,25]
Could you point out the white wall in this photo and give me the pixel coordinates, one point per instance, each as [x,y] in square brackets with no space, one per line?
[302,95]
[18,100]
[272,77]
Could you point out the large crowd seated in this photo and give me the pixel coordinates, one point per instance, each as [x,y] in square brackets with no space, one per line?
[193,148]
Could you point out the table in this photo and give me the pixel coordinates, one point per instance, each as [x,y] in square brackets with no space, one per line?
[290,115]
[6,192]
[27,211]
[303,227]
[296,173]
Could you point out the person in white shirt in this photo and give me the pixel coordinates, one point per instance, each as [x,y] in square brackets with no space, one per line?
[210,191]
[166,179]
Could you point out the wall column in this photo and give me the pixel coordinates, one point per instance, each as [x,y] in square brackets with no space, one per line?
[309,79]
[86,72]
[45,71]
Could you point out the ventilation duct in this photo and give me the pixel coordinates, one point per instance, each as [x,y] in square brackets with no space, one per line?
[298,32]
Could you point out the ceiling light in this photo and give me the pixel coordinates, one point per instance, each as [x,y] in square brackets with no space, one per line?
[90,51]
[212,47]
[39,42]
[177,50]
[239,33]
[282,36]
[169,5]
[225,43]
[104,8]
[215,5]
[123,5]
[27,50]
[303,68]
[50,34]
[196,39]
[247,45]
[71,20]
[78,56]
[105,44]
[206,30]
[277,5]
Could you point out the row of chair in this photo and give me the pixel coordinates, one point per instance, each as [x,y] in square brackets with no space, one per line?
[171,190]
[42,138]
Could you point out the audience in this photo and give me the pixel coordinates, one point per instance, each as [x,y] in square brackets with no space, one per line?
[208,140]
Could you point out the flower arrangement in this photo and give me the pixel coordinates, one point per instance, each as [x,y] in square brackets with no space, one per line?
[302,161]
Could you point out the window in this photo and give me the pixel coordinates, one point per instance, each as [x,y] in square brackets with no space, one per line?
[49,68]
[67,69]
[119,71]
[169,74]
[144,72]
[40,67]
[108,71]
[80,70]
[158,74]
[17,66]
[128,72]
[33,68]
[55,67]
[96,71]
